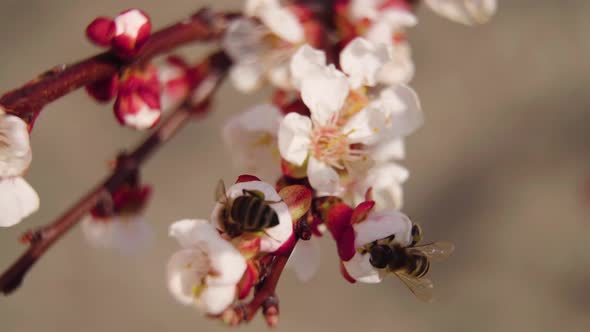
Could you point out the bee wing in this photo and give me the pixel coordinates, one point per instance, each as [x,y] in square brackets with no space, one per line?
[435,251]
[421,287]
[220,195]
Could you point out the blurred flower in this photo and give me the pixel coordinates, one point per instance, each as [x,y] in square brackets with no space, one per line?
[384,180]
[18,199]
[119,223]
[262,52]
[251,138]
[272,238]
[174,83]
[468,12]
[138,101]
[305,258]
[207,270]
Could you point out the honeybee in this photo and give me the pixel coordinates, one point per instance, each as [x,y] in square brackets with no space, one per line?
[249,212]
[412,263]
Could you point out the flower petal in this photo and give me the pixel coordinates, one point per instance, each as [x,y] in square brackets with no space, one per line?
[305,259]
[18,200]
[214,300]
[194,233]
[15,148]
[185,270]
[323,178]
[243,40]
[380,225]
[387,149]
[386,181]
[400,70]
[362,61]
[307,60]
[324,94]
[246,76]
[468,12]
[401,108]
[365,126]
[283,23]
[360,269]
[294,138]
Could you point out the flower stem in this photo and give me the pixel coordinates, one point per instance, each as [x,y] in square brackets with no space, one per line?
[61,80]
[42,239]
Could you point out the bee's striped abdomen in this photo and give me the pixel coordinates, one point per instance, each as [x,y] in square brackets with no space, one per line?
[253,213]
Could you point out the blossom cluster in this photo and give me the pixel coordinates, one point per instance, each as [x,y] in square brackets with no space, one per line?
[325,151]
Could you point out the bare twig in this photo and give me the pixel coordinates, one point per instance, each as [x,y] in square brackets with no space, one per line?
[42,239]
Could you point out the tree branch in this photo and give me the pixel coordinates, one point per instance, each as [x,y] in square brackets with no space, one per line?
[41,240]
[61,80]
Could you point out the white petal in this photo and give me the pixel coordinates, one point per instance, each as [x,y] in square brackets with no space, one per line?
[246,76]
[307,60]
[18,200]
[388,149]
[323,178]
[324,94]
[243,40]
[360,9]
[186,269]
[132,234]
[284,23]
[305,259]
[252,7]
[365,126]
[276,236]
[295,138]
[362,61]
[380,225]
[386,181]
[144,118]
[360,269]
[400,69]
[15,148]
[98,233]
[401,108]
[465,11]
[398,19]
[214,300]
[130,23]
[194,233]
[279,75]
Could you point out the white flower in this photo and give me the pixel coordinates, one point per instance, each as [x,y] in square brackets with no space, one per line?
[17,198]
[468,12]
[206,271]
[272,238]
[377,226]
[262,52]
[128,234]
[251,138]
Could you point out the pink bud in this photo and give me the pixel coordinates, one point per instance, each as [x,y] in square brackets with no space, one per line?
[174,82]
[105,90]
[101,31]
[132,30]
[138,102]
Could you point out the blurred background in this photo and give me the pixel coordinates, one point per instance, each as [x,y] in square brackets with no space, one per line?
[501,168]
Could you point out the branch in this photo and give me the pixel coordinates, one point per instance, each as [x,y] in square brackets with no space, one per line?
[61,80]
[41,240]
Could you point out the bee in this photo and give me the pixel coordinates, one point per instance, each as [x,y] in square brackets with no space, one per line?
[249,212]
[412,263]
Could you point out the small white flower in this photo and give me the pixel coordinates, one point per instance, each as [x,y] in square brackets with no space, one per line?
[468,12]
[251,138]
[206,271]
[18,199]
[262,52]
[273,237]
[128,234]
[377,226]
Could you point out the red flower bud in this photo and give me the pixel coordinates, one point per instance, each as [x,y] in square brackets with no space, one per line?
[105,90]
[101,31]
[138,102]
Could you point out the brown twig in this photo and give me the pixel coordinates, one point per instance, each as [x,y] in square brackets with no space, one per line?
[59,81]
[42,239]
[268,288]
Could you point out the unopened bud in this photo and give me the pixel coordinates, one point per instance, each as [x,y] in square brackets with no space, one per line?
[138,102]
[270,310]
[104,90]
[101,31]
[132,30]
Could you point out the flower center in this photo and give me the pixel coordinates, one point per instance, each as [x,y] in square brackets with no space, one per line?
[331,146]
